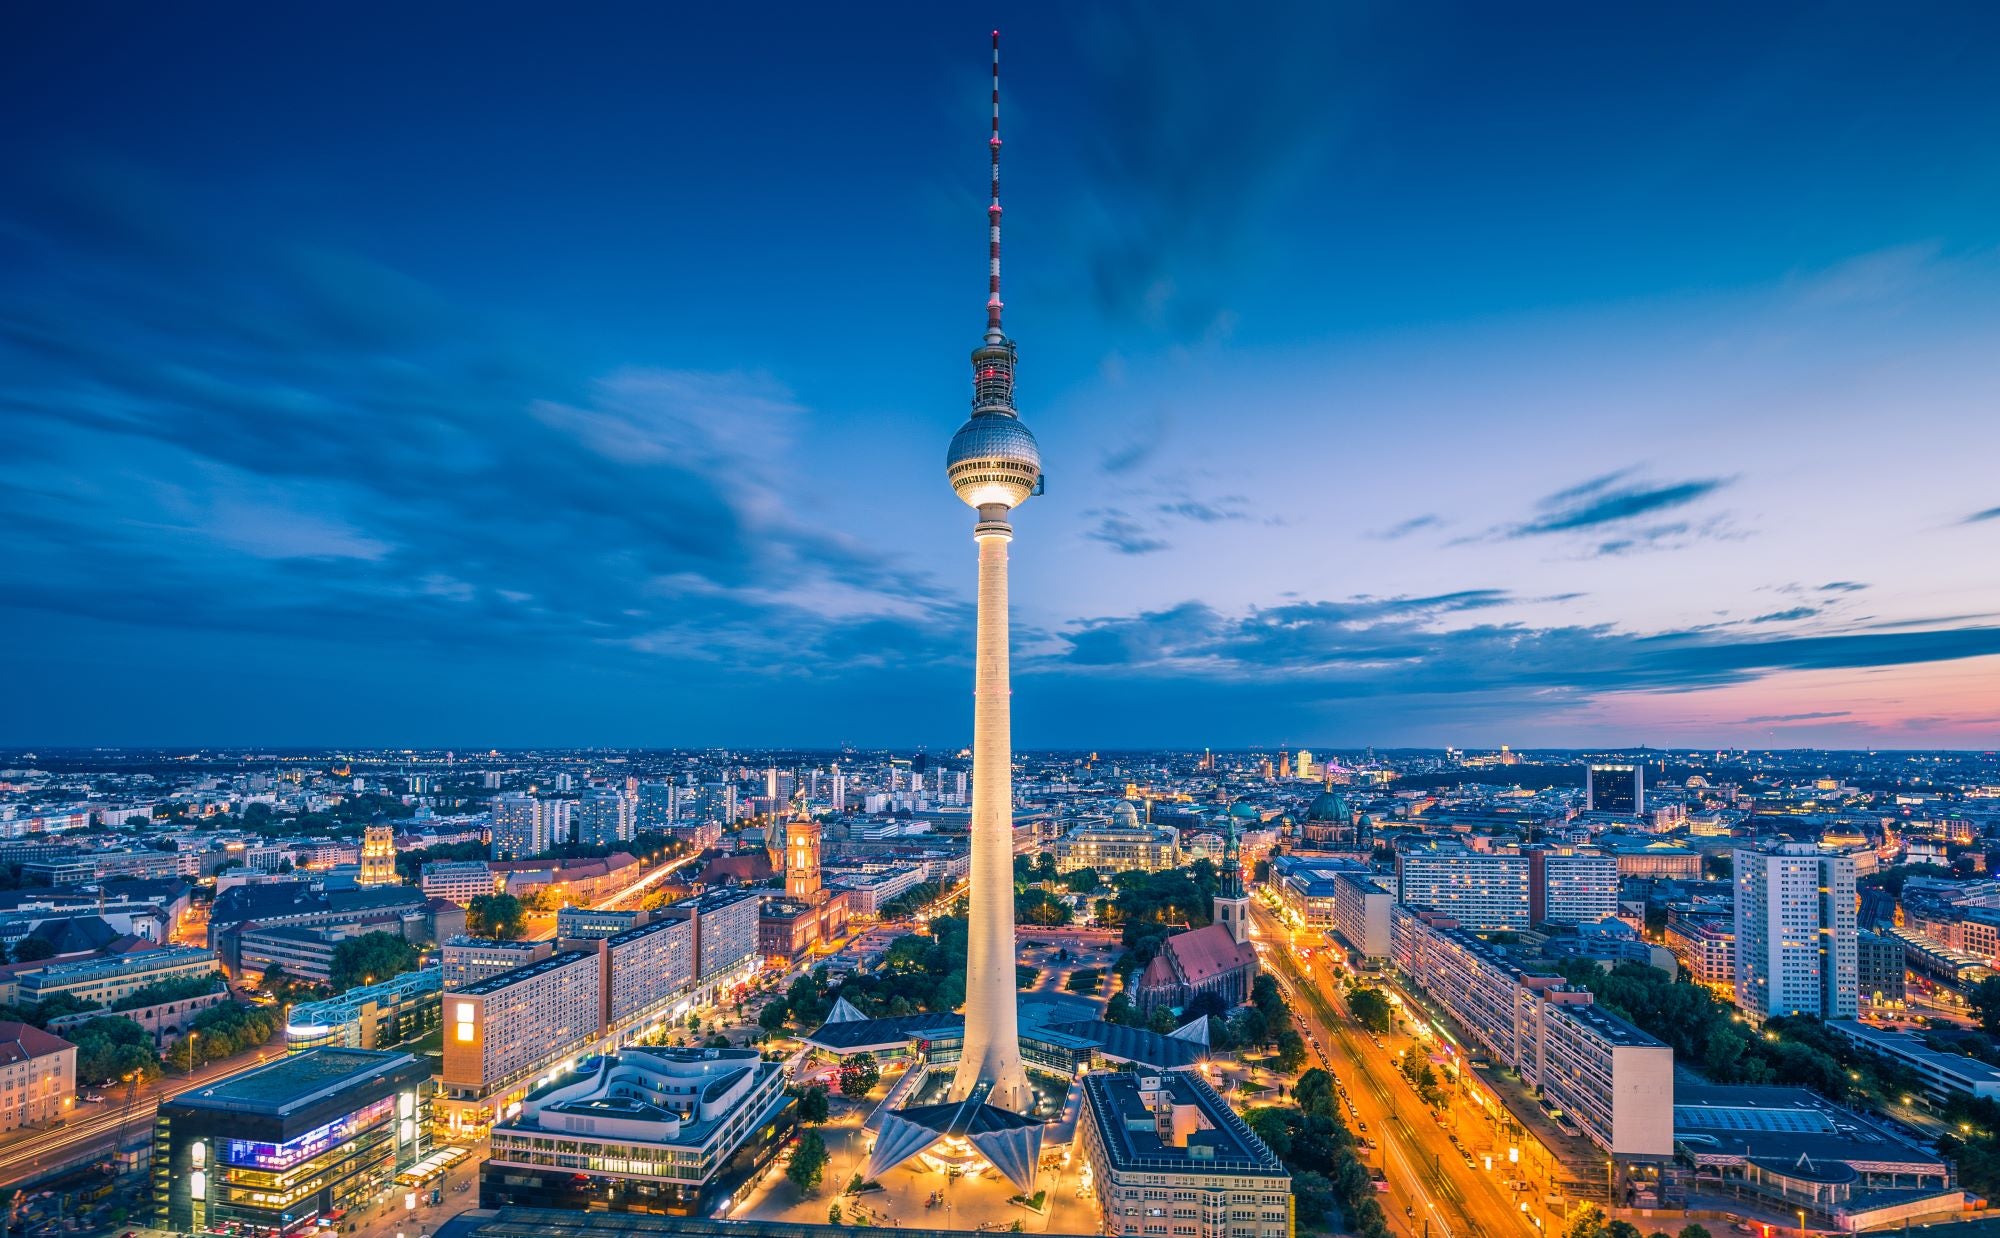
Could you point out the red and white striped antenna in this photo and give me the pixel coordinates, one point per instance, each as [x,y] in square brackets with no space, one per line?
[993,332]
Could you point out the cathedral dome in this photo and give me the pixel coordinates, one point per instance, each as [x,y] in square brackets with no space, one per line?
[1125,815]
[1327,806]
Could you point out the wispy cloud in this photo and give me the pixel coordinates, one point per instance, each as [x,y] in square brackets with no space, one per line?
[1786,616]
[1125,535]
[1991,513]
[1415,524]
[1609,500]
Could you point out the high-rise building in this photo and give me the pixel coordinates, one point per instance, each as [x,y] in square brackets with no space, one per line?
[1796,948]
[839,790]
[520,826]
[604,818]
[1304,764]
[1572,888]
[1617,789]
[655,811]
[378,856]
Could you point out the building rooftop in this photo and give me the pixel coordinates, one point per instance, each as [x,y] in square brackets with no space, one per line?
[21,1042]
[294,1081]
[514,976]
[1608,1026]
[1727,1125]
[1222,1141]
[551,1223]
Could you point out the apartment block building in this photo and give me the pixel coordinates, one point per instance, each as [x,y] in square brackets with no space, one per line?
[1573,887]
[1484,892]
[504,1034]
[1613,1080]
[1706,947]
[1796,951]
[469,960]
[1361,914]
[651,968]
[37,1076]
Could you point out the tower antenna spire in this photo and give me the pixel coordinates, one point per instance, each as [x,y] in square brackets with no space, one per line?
[993,332]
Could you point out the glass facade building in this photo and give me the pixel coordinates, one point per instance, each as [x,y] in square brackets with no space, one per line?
[271,1150]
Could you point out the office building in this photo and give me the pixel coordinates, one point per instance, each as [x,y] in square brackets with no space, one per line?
[502,1032]
[1361,914]
[108,978]
[271,1149]
[370,1016]
[304,951]
[1796,951]
[666,1131]
[378,856]
[869,889]
[1943,1075]
[1619,789]
[604,818]
[37,1076]
[1482,891]
[1165,1155]
[1305,885]
[1571,887]
[458,881]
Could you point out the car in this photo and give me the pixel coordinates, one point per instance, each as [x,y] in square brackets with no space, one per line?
[1470,1163]
[1362,1127]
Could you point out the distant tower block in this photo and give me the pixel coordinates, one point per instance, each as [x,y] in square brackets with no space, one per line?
[378,856]
[994,465]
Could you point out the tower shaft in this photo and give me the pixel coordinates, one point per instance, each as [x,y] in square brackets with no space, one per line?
[992,1031]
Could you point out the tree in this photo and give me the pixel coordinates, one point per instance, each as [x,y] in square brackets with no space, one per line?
[1985,998]
[1291,1051]
[859,1075]
[32,950]
[370,959]
[772,1017]
[813,1106]
[1081,880]
[1695,1231]
[1314,1093]
[1621,1229]
[808,1163]
[1272,1127]
[833,1214]
[276,981]
[1370,1009]
[1588,1223]
[498,916]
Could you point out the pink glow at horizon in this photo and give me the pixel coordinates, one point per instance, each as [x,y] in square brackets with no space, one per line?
[1940,704]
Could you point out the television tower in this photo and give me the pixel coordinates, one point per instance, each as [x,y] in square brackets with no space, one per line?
[993,465]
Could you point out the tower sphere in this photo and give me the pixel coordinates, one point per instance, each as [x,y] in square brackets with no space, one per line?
[993,460]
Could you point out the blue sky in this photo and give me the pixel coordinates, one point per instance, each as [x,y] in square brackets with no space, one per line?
[1405,374]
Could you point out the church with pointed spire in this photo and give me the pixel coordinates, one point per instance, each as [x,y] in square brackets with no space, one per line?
[1214,959]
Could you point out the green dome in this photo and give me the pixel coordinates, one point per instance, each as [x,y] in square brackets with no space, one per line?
[1244,812]
[1327,806]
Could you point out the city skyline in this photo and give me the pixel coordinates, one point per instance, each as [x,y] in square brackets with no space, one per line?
[1406,400]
